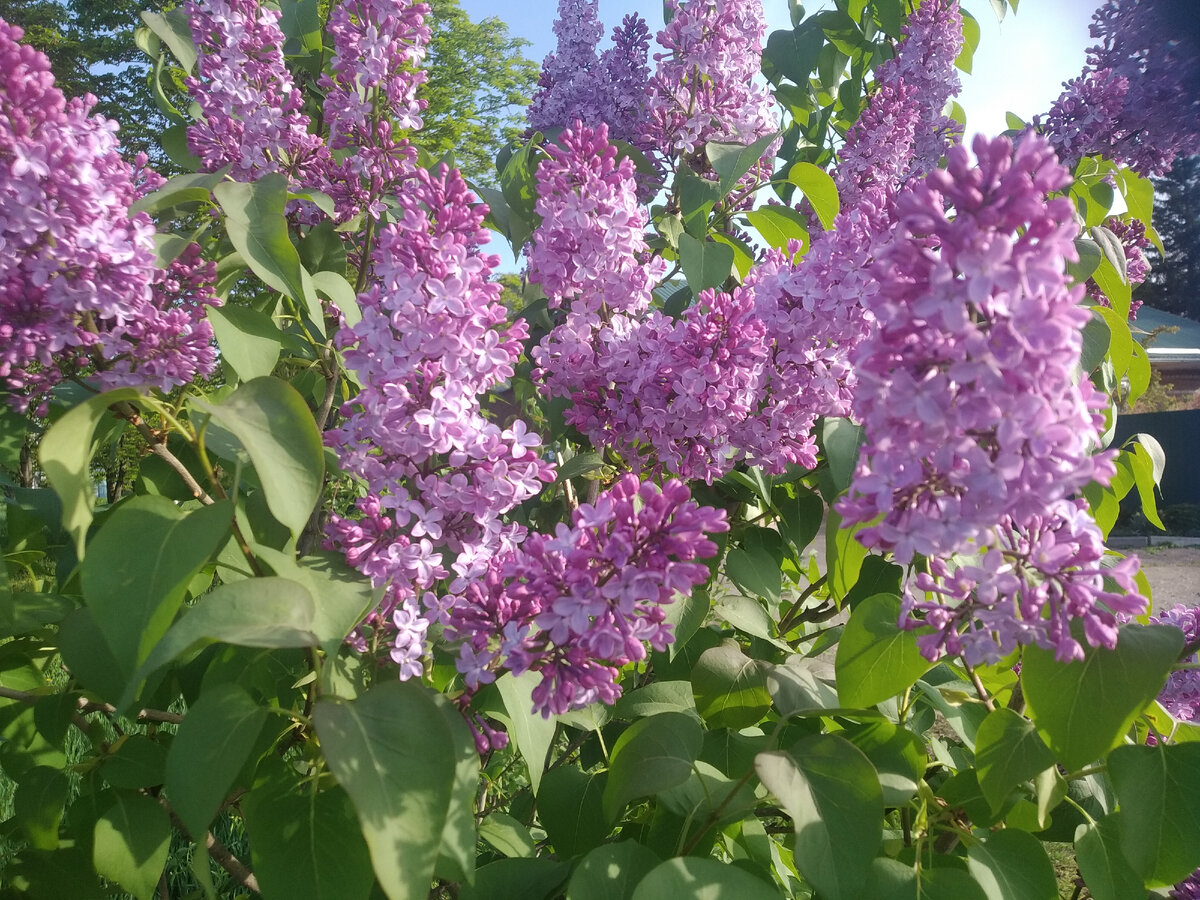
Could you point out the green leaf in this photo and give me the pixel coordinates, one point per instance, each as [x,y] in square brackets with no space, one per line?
[651,755]
[831,791]
[300,21]
[1089,260]
[25,611]
[840,441]
[255,223]
[743,254]
[971,34]
[697,878]
[305,845]
[1104,868]
[844,555]
[1147,461]
[249,340]
[819,189]
[1008,752]
[517,879]
[334,287]
[580,464]
[507,836]
[730,687]
[898,755]
[141,563]
[1138,192]
[216,737]
[1115,287]
[394,753]
[571,809]
[697,197]
[273,424]
[794,53]
[38,805]
[256,612]
[1012,865]
[656,697]
[1096,338]
[686,613]
[779,224]
[531,732]
[175,31]
[732,161]
[1159,795]
[1082,709]
[803,516]
[66,453]
[876,658]
[131,843]
[182,189]
[611,872]
[755,572]
[795,688]
[456,858]
[135,762]
[705,264]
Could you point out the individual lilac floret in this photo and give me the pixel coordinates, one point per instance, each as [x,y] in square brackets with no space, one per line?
[438,475]
[578,605]
[1134,242]
[80,294]
[1181,696]
[1024,584]
[252,119]
[577,84]
[1138,99]
[370,99]
[977,339]
[903,133]
[704,87]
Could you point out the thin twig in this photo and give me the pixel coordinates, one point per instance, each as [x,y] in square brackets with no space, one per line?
[87,706]
[238,870]
[979,688]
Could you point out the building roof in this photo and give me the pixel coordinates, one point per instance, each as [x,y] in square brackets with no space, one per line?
[1180,346]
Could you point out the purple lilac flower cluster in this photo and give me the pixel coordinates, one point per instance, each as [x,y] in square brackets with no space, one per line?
[903,132]
[252,120]
[1137,101]
[1134,242]
[703,88]
[370,95]
[1181,696]
[438,474]
[578,84]
[1025,586]
[1188,889]
[80,294]
[577,605]
[977,338]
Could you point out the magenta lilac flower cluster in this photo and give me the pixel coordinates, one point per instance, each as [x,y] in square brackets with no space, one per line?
[577,605]
[1134,242]
[577,83]
[703,88]
[977,338]
[252,119]
[438,474]
[80,294]
[1137,101]
[903,133]
[1025,585]
[1181,696]
[370,97]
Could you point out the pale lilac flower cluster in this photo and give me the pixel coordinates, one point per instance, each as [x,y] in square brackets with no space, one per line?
[1134,242]
[252,113]
[977,339]
[576,83]
[903,133]
[1023,584]
[578,605]
[703,88]
[1181,695]
[370,96]
[438,474]
[80,294]
[1138,99]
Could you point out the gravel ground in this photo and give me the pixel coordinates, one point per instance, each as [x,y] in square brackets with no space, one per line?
[1173,572]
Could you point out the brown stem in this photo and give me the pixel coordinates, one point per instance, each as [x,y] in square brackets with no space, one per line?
[715,815]
[218,851]
[979,688]
[793,614]
[87,706]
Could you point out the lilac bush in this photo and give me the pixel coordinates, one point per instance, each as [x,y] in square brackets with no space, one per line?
[660,561]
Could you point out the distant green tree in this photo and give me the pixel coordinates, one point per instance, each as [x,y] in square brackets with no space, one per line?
[1174,282]
[479,83]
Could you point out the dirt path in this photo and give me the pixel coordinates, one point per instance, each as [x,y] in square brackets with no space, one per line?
[1173,572]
